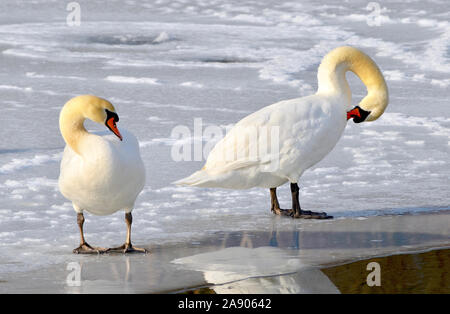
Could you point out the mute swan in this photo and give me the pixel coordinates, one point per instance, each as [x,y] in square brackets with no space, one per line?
[304,129]
[100,173]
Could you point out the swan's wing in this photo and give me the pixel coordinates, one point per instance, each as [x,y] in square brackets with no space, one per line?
[264,137]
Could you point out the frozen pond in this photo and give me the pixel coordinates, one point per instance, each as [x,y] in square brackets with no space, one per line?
[280,259]
[165,63]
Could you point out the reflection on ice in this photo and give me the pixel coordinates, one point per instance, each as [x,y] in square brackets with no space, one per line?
[311,280]
[236,263]
[257,270]
[285,258]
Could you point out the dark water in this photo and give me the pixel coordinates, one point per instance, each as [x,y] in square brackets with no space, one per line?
[427,272]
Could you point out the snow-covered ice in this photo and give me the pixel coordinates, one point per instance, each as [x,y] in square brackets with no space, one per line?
[164,63]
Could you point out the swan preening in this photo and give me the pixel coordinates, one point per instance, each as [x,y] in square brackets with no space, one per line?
[101,173]
[308,129]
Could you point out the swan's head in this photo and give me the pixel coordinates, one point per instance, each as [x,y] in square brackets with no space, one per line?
[331,76]
[358,114]
[101,111]
[371,107]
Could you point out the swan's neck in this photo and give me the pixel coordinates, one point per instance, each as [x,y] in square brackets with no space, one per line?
[71,124]
[331,78]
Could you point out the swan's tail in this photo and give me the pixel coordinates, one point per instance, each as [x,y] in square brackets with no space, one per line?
[198,178]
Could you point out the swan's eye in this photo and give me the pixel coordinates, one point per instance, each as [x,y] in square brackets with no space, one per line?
[363,115]
[111,119]
[110,114]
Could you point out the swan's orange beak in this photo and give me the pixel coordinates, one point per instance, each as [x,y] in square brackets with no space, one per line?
[358,114]
[353,113]
[111,124]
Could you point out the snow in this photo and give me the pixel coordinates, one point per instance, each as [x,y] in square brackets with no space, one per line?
[132,80]
[165,63]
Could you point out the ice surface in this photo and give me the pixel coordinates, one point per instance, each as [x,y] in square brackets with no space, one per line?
[252,270]
[274,258]
[164,63]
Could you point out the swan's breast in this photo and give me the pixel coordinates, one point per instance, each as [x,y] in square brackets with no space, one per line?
[107,177]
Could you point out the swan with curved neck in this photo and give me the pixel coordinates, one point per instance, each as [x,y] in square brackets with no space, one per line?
[331,78]
[302,131]
[101,172]
[77,110]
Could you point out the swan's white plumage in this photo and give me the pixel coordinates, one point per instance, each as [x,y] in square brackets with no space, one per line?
[309,128]
[99,173]
[315,125]
[108,177]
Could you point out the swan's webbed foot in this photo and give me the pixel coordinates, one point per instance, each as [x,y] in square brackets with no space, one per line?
[275,206]
[126,248]
[306,214]
[85,248]
[283,212]
[296,211]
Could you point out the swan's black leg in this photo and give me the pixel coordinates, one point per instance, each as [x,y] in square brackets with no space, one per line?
[84,247]
[297,210]
[127,247]
[295,202]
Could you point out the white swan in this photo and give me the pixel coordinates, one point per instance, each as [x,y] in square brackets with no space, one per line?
[100,173]
[302,131]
